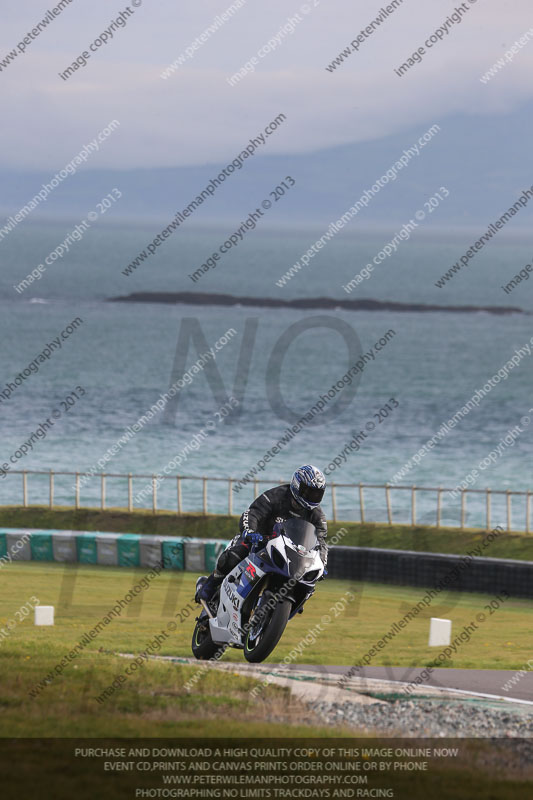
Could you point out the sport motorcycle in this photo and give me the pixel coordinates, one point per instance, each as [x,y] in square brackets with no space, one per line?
[261,594]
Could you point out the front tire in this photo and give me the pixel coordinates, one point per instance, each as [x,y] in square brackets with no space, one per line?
[258,646]
[203,647]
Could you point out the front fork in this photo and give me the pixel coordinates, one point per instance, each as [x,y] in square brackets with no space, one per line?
[249,617]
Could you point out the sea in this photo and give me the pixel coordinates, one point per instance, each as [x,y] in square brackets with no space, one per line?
[277,363]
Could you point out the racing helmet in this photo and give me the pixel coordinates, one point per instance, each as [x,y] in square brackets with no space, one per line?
[308,485]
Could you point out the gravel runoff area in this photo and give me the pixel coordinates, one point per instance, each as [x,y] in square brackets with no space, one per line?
[431,718]
[382,713]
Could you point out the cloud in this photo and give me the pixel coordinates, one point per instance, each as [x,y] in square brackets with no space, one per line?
[195,117]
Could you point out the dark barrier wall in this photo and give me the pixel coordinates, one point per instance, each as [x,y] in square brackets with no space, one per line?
[408,568]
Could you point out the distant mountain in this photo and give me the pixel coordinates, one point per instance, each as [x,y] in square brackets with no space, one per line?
[484,161]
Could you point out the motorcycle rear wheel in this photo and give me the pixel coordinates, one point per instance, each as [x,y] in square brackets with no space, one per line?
[203,647]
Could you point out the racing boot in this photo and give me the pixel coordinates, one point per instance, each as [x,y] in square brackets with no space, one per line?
[206,586]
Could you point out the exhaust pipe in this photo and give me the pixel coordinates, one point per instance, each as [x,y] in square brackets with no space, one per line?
[207,609]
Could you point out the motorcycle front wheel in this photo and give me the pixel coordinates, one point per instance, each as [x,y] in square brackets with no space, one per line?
[266,631]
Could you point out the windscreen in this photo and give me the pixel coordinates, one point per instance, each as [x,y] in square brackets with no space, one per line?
[301,532]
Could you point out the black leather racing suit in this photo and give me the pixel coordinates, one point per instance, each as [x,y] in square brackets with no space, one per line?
[274,505]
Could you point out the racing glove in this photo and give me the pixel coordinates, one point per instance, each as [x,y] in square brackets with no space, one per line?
[253,538]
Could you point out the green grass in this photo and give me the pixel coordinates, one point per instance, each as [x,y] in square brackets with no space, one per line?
[397,537]
[164,523]
[154,702]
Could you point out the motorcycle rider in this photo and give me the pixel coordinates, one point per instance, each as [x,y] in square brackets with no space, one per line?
[299,498]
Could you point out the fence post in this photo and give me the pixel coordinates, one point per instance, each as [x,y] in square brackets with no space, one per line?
[230,481]
[361,502]
[463,508]
[389,510]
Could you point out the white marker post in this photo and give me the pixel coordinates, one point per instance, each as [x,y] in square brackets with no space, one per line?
[44,615]
[440,632]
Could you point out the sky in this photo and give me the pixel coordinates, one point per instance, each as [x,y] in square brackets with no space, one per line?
[195,117]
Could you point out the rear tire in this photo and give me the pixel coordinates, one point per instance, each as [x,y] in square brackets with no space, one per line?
[203,647]
[258,649]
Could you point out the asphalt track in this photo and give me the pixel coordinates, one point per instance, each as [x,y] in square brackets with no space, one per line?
[479,681]
[486,683]
[473,683]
